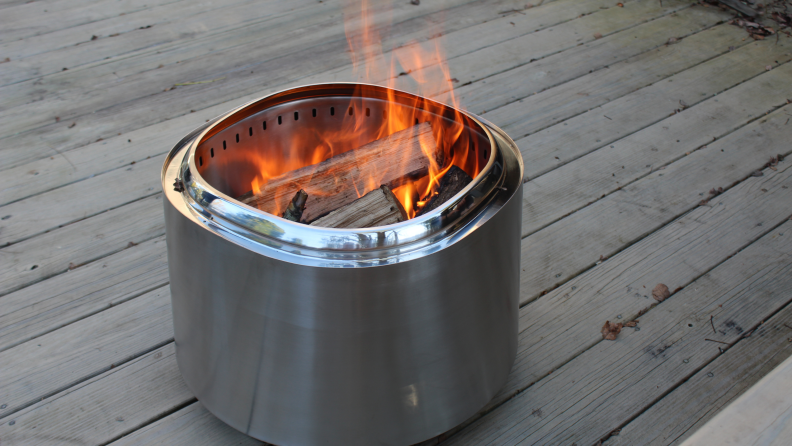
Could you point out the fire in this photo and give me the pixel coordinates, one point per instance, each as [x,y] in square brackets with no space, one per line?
[418,67]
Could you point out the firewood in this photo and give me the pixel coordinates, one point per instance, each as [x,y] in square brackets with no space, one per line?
[452,182]
[338,180]
[296,206]
[377,208]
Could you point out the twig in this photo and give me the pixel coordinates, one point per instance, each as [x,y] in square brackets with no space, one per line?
[719,342]
[713,325]
[787,326]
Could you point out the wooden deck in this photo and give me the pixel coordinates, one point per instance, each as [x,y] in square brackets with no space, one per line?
[627,117]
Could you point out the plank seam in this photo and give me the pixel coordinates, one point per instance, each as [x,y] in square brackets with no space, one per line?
[152,420]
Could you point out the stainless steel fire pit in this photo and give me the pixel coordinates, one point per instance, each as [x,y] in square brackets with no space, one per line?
[303,335]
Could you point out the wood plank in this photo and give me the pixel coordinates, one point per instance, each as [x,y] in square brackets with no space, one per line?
[57,170]
[46,54]
[314,45]
[80,200]
[530,77]
[185,427]
[36,18]
[105,407]
[674,255]
[159,106]
[58,360]
[598,391]
[66,298]
[763,415]
[685,410]
[563,250]
[701,228]
[49,254]
[550,107]
[602,172]
[564,142]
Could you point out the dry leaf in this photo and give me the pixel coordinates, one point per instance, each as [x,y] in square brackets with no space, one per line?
[620,5]
[661,292]
[757,173]
[597,35]
[768,67]
[672,40]
[610,330]
[631,324]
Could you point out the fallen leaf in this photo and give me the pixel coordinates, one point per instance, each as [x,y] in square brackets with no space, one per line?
[757,173]
[528,6]
[620,5]
[671,40]
[597,35]
[768,67]
[610,330]
[94,37]
[631,324]
[72,124]
[661,292]
[780,157]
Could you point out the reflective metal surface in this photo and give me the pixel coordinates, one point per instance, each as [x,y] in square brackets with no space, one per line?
[299,335]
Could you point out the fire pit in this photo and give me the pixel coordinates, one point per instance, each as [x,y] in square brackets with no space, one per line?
[299,334]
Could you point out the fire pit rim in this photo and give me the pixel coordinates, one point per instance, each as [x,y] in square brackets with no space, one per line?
[231,216]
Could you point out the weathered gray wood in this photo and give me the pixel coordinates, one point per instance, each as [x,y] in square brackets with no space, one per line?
[50,304]
[108,122]
[57,170]
[190,426]
[668,253]
[107,406]
[573,244]
[681,413]
[80,200]
[601,172]
[78,351]
[337,181]
[35,18]
[674,255]
[567,141]
[157,26]
[377,208]
[49,254]
[529,78]
[296,49]
[761,416]
[590,396]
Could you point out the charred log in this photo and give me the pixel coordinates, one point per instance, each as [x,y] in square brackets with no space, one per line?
[296,206]
[452,182]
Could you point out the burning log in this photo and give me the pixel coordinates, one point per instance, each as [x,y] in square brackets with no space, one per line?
[296,206]
[452,182]
[377,208]
[391,161]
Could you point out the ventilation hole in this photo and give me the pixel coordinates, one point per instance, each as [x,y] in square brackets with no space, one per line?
[485,154]
[296,115]
[250,131]
[368,111]
[237,137]
[211,152]
[200,161]
[314,113]
[280,120]
[264,125]
[416,121]
[224,145]
[351,111]
[332,111]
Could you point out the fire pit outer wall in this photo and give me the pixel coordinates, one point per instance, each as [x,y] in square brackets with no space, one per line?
[300,335]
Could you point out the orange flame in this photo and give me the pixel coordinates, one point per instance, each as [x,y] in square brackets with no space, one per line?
[419,67]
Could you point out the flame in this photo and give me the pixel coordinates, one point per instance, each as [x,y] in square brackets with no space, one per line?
[418,67]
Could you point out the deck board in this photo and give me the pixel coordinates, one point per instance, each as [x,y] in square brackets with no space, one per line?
[585,87]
